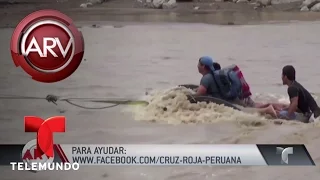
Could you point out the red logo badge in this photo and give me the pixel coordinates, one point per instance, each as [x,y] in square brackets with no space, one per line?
[40,150]
[45,130]
[47,46]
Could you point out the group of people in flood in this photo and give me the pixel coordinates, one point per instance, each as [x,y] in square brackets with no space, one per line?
[229,84]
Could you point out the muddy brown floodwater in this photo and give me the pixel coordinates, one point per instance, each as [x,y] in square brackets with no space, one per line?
[125,61]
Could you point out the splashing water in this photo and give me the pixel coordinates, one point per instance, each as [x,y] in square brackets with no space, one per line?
[172,106]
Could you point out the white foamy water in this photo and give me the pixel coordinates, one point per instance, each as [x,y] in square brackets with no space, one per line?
[173,107]
[125,62]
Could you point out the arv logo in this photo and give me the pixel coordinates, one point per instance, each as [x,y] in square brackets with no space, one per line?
[30,155]
[47,46]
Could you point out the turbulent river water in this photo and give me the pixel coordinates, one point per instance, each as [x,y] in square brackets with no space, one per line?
[131,60]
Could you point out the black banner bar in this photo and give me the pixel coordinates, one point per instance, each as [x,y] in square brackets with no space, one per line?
[13,153]
[286,154]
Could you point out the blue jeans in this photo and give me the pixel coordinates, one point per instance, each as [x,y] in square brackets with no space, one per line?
[284,114]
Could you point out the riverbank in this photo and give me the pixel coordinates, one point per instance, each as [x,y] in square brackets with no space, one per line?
[225,13]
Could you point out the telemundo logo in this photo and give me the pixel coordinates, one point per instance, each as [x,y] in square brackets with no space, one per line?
[285,152]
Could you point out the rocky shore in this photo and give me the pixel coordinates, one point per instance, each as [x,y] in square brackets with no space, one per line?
[287,5]
[227,12]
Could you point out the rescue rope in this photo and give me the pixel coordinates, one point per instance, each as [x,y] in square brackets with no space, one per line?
[54,99]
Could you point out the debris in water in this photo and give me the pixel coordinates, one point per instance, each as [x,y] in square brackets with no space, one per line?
[95,26]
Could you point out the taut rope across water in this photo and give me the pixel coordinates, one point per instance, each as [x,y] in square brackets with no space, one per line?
[54,99]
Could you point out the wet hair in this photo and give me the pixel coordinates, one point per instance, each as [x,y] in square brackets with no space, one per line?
[216,66]
[290,72]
